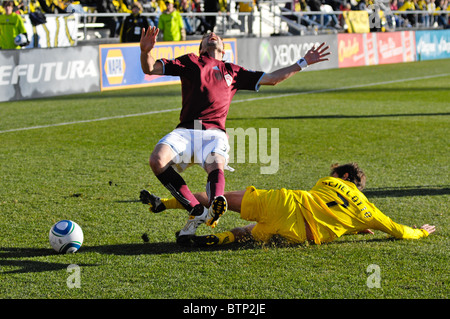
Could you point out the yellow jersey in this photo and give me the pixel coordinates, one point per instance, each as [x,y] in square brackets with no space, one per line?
[246,6]
[407,5]
[332,208]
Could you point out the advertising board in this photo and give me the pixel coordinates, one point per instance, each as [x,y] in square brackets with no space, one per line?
[270,54]
[362,49]
[36,73]
[432,45]
[121,67]
[395,47]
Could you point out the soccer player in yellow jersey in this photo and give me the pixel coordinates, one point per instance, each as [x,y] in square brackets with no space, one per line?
[335,206]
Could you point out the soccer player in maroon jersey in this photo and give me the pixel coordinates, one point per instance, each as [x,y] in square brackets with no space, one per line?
[208,85]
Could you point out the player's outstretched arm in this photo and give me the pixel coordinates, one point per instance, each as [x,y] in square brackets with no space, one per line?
[314,55]
[147,43]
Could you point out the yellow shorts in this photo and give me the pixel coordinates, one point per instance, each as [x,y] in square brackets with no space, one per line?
[276,213]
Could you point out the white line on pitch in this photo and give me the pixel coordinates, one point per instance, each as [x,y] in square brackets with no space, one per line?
[88,121]
[237,101]
[343,88]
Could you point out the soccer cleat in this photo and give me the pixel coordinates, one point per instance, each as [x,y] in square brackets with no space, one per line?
[185,240]
[154,201]
[205,241]
[218,207]
[193,222]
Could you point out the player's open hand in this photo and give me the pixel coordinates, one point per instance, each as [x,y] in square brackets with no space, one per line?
[315,55]
[429,228]
[148,39]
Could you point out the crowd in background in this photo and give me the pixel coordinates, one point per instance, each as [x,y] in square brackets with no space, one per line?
[174,26]
[383,9]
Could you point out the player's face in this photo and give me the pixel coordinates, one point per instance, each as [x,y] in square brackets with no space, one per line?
[212,40]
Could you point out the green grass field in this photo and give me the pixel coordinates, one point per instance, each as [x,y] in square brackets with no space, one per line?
[392,119]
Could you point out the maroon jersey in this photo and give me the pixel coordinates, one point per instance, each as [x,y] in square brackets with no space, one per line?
[207,88]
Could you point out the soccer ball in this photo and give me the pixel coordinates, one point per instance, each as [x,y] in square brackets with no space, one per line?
[20,39]
[66,236]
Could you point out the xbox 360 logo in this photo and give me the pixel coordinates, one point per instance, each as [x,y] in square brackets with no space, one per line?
[265,56]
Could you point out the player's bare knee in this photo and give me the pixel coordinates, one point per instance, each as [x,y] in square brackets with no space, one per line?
[213,162]
[157,164]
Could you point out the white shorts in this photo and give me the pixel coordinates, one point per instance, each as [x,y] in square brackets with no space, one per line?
[193,146]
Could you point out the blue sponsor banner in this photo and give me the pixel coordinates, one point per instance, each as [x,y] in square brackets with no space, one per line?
[434,44]
[121,66]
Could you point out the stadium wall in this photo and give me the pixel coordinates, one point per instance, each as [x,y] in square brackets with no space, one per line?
[28,74]
[36,73]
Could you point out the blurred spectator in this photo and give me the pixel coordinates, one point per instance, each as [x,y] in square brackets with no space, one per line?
[107,6]
[293,6]
[170,23]
[246,6]
[329,19]
[442,19]
[151,6]
[393,5]
[52,6]
[335,4]
[131,28]
[408,5]
[122,6]
[225,6]
[203,27]
[11,26]
[314,5]
[344,7]
[186,7]
[211,6]
[74,7]
[397,19]
[422,6]
[297,6]
[31,6]
[429,18]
